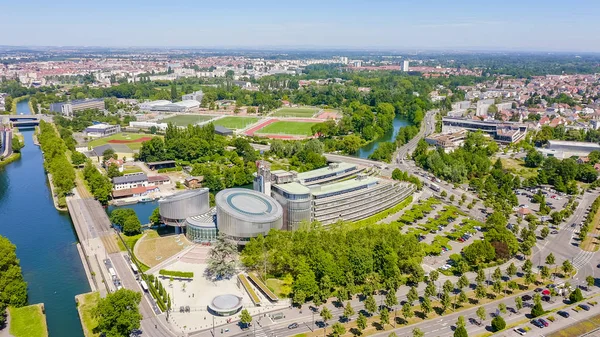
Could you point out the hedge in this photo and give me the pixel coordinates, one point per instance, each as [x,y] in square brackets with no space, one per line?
[174,273]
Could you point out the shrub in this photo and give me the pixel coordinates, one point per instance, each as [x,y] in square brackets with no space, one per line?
[174,273]
[576,296]
[537,310]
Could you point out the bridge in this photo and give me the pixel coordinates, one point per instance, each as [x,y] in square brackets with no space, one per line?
[26,121]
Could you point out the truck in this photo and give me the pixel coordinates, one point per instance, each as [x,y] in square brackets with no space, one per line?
[133,267]
[434,187]
[144,285]
[112,272]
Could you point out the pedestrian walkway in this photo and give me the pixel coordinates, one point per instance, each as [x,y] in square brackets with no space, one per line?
[582,258]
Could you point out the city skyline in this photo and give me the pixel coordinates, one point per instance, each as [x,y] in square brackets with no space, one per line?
[402,25]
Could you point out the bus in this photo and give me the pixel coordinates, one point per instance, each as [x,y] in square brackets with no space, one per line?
[434,187]
[144,285]
[112,272]
[133,267]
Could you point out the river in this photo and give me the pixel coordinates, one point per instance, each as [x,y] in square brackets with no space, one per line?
[45,238]
[365,151]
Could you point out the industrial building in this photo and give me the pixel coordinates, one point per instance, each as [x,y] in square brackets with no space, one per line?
[565,149]
[68,108]
[167,106]
[243,214]
[502,132]
[195,96]
[101,130]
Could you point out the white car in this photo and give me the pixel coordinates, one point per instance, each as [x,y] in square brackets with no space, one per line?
[520,331]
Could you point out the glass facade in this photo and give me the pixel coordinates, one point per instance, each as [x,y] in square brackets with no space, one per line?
[200,234]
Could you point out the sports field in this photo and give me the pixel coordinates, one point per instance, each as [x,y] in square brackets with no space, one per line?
[153,249]
[131,140]
[295,112]
[235,122]
[288,128]
[185,120]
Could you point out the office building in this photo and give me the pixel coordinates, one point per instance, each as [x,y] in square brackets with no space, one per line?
[502,132]
[348,200]
[101,130]
[130,181]
[195,96]
[405,65]
[190,211]
[69,108]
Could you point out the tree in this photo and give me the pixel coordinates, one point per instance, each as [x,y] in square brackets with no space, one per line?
[412,295]
[384,316]
[537,310]
[576,296]
[462,282]
[361,322]
[426,306]
[118,313]
[132,226]
[429,289]
[221,259]
[480,278]
[444,194]
[497,275]
[418,333]
[348,311]
[462,297]
[544,272]
[567,267]
[325,315]
[390,299]
[407,311]
[526,267]
[590,280]
[511,270]
[370,304]
[550,260]
[107,154]
[155,217]
[481,314]
[502,308]
[13,288]
[461,322]
[174,95]
[448,286]
[338,329]
[497,287]
[498,323]
[544,232]
[480,291]
[518,303]
[461,331]
[434,275]
[78,158]
[445,301]
[245,317]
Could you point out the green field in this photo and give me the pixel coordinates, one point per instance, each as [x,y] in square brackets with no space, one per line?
[235,122]
[288,128]
[185,120]
[86,304]
[122,136]
[296,112]
[28,322]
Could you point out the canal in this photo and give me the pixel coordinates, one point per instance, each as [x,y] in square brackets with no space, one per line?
[390,136]
[44,237]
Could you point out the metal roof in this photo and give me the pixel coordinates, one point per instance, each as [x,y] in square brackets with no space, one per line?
[130,178]
[325,170]
[293,188]
[318,190]
[248,205]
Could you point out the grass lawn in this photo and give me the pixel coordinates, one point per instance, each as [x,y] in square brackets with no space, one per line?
[131,169]
[85,305]
[288,128]
[517,166]
[235,122]
[278,287]
[123,136]
[591,242]
[184,120]
[28,321]
[295,112]
[153,249]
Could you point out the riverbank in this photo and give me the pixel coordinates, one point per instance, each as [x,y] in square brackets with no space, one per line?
[17,100]
[55,199]
[12,158]
[85,305]
[29,321]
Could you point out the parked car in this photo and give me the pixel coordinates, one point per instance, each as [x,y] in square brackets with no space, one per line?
[293,326]
[563,314]
[584,307]
[526,297]
[546,298]
[554,232]
[537,323]
[543,322]
[520,331]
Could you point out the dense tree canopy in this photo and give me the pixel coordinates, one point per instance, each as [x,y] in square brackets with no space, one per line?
[13,289]
[118,314]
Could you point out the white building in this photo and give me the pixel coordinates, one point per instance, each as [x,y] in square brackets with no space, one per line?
[405,65]
[101,130]
[130,181]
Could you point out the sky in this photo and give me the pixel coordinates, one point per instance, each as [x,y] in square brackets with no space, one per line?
[524,25]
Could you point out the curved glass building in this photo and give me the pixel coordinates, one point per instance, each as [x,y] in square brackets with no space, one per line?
[174,209]
[243,214]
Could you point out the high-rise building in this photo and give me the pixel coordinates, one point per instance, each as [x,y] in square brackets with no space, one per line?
[405,65]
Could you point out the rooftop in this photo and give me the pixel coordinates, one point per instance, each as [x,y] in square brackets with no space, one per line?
[293,188]
[248,205]
[130,178]
[342,185]
[570,143]
[336,167]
